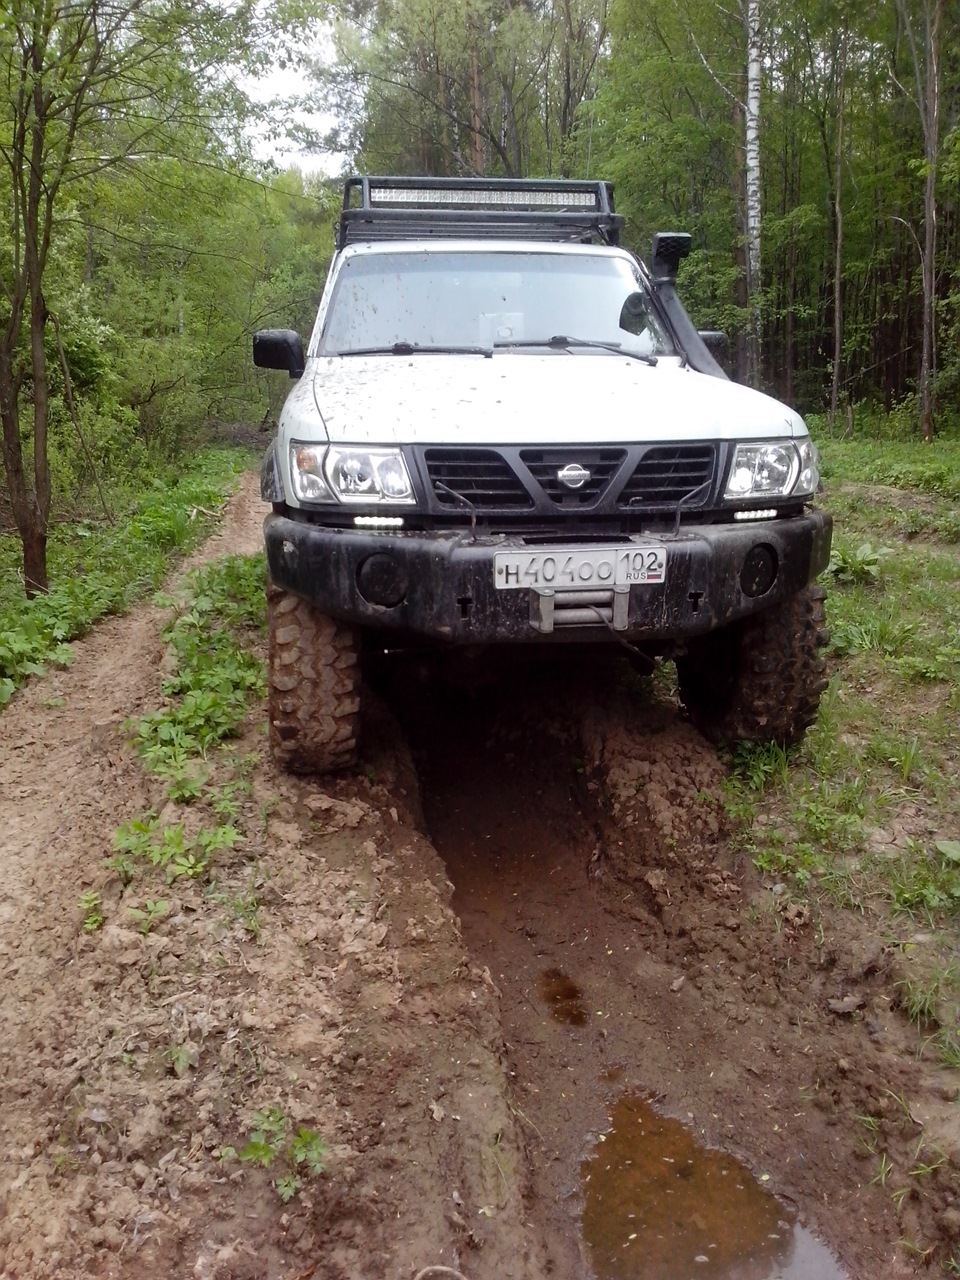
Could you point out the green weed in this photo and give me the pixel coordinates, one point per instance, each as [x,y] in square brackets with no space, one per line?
[919,1000]
[270,1142]
[90,904]
[216,673]
[883,1171]
[870,633]
[96,570]
[244,907]
[857,565]
[182,1058]
[168,847]
[941,665]
[919,884]
[948,1044]
[225,800]
[151,913]
[759,765]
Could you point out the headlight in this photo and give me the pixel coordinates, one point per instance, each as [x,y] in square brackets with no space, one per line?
[368,475]
[808,481]
[306,469]
[352,475]
[773,469]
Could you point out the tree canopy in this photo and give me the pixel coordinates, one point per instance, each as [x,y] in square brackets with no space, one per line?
[812,148]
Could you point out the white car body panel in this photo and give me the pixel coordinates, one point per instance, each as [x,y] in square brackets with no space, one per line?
[518,397]
[521,398]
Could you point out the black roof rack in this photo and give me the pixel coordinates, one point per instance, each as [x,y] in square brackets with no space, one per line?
[477,208]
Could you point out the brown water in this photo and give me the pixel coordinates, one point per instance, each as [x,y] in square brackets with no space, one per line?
[563,996]
[658,1207]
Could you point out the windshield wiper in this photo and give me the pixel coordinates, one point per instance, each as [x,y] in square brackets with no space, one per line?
[413,349]
[562,341]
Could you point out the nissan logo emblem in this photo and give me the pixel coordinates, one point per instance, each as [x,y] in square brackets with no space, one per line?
[573,475]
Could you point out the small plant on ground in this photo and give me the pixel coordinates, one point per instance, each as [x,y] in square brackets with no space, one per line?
[948,1043]
[167,847]
[271,1143]
[216,673]
[759,765]
[857,565]
[91,905]
[244,907]
[926,886]
[919,1000]
[151,913]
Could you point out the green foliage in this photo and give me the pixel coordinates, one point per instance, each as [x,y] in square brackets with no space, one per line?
[925,885]
[760,764]
[857,626]
[244,907]
[100,569]
[91,904]
[168,847]
[151,913]
[270,1141]
[919,1000]
[216,673]
[861,565]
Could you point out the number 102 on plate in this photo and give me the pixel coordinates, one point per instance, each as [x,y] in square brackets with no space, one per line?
[580,569]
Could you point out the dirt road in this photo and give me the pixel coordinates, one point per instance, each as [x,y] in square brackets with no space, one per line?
[453,965]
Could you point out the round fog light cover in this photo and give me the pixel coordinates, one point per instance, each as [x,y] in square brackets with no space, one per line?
[382,580]
[759,570]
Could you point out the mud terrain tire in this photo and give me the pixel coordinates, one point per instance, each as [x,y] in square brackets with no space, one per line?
[314,687]
[759,680]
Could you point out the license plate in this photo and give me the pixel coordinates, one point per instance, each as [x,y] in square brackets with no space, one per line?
[583,569]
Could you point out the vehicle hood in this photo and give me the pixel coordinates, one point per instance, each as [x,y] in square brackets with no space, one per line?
[523,398]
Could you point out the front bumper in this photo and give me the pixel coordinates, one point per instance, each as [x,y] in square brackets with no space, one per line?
[440,586]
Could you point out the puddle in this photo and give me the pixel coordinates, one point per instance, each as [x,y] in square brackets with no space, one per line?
[563,996]
[658,1207]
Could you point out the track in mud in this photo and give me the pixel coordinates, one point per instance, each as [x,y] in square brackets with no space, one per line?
[566,908]
[635,955]
[504,807]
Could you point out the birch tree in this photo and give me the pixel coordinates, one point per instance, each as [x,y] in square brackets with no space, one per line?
[752,203]
[925,54]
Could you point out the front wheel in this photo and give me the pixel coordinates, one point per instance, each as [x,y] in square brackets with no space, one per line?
[760,679]
[314,687]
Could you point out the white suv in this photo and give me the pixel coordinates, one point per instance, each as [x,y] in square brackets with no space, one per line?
[506,430]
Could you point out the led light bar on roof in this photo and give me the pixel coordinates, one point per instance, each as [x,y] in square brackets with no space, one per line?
[403,208]
[477,197]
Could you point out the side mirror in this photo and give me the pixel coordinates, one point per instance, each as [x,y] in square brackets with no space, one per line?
[669,249]
[633,313]
[717,343]
[279,349]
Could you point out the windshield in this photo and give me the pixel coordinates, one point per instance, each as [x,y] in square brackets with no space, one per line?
[493,299]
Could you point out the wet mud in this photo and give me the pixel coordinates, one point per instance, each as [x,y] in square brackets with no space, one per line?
[581,822]
[465,965]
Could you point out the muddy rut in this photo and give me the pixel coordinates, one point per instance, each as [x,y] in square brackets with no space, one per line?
[523,910]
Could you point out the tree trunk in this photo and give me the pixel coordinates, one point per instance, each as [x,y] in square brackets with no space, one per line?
[752,204]
[931,139]
[838,241]
[477,160]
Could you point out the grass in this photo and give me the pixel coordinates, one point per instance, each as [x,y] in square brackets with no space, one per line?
[98,569]
[216,672]
[212,638]
[866,811]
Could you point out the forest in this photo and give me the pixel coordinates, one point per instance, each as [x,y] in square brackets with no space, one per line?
[812,149]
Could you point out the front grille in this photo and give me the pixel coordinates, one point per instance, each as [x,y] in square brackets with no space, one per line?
[545,466]
[667,473]
[481,477]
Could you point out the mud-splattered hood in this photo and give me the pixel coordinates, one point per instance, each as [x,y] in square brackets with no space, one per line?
[523,398]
